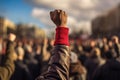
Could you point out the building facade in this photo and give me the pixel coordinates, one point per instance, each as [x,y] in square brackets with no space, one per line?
[6,26]
[107,24]
[24,30]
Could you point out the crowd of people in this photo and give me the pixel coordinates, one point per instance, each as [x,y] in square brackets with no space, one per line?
[100,58]
[49,59]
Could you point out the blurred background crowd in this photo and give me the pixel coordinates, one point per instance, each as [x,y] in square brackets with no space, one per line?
[94,53]
[87,56]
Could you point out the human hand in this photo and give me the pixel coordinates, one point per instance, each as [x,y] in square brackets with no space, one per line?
[11,37]
[59,18]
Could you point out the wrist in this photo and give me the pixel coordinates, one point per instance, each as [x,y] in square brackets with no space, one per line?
[62,26]
[61,37]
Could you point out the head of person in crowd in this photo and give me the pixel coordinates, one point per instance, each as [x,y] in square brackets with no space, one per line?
[115,39]
[110,55]
[116,45]
[30,42]
[50,44]
[38,49]
[80,48]
[104,40]
[95,53]
[110,44]
[20,51]
[28,47]
[104,49]
[19,43]
[92,43]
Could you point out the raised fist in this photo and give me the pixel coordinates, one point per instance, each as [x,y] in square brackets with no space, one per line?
[11,37]
[59,18]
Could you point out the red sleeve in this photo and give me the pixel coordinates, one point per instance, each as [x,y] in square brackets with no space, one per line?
[61,37]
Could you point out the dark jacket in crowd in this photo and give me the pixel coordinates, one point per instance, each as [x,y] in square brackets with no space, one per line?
[91,65]
[7,69]
[32,64]
[109,71]
[21,72]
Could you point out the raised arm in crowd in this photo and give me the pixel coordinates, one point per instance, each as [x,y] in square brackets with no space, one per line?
[59,62]
[7,68]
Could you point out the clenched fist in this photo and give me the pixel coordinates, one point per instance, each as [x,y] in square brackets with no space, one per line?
[59,18]
[11,37]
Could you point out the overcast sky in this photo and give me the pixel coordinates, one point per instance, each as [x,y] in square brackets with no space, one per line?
[80,12]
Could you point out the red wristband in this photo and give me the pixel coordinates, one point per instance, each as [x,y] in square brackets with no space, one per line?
[61,37]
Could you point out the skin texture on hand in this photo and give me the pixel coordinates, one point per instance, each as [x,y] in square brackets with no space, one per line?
[59,18]
[11,37]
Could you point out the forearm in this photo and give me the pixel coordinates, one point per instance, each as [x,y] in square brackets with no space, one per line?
[8,67]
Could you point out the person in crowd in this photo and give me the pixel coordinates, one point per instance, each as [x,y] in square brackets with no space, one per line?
[93,62]
[45,55]
[116,45]
[77,70]
[110,70]
[60,60]
[38,57]
[7,68]
[105,40]
[21,70]
[30,60]
[81,55]
[104,46]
